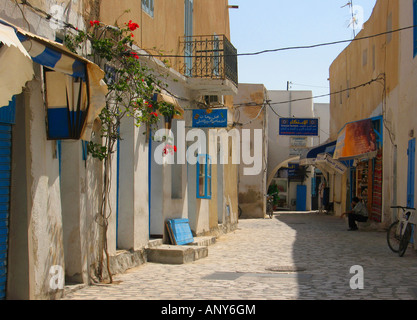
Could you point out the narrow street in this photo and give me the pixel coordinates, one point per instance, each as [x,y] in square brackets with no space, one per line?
[316,251]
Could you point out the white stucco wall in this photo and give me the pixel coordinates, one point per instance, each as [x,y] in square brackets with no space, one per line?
[279,147]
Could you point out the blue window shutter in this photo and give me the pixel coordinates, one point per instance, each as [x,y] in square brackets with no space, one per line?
[7,119]
[8,113]
[203,176]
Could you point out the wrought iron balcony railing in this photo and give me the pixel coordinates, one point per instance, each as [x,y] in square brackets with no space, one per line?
[209,57]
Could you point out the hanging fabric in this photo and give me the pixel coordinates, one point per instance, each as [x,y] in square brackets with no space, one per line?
[16,67]
[83,94]
[67,101]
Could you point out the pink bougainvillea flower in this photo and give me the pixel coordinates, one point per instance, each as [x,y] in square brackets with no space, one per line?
[134,55]
[132,25]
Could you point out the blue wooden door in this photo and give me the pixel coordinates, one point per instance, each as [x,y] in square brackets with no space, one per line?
[7,118]
[411,172]
[301,202]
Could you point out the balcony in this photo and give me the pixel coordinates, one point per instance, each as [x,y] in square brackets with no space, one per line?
[210,64]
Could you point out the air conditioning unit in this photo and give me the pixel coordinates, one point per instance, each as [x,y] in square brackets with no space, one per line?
[212,100]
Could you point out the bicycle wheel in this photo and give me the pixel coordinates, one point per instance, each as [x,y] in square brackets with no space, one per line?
[405,239]
[269,210]
[239,211]
[394,237]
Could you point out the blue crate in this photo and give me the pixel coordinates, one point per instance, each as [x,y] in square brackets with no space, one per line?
[180,231]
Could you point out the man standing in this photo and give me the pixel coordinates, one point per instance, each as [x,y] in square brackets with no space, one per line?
[358,213]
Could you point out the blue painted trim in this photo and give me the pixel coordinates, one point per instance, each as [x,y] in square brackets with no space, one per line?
[149,180]
[59,151]
[415,29]
[411,172]
[380,118]
[117,187]
[84,149]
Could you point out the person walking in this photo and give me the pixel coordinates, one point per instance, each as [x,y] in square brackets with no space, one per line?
[358,213]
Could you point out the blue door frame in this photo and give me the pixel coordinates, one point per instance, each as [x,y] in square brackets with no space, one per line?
[149,180]
[411,152]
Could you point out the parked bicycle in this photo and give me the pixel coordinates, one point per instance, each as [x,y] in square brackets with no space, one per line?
[270,204]
[401,231]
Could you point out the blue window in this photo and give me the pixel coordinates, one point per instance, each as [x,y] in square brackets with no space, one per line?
[203,176]
[147,6]
[415,29]
[188,33]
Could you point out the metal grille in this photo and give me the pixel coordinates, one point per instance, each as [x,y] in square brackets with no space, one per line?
[210,57]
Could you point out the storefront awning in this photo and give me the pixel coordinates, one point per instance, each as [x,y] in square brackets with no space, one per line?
[356,140]
[310,157]
[58,58]
[15,65]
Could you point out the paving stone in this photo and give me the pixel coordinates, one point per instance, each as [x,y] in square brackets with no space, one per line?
[319,243]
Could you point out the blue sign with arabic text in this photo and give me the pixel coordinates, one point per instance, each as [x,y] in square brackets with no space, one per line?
[208,118]
[298,127]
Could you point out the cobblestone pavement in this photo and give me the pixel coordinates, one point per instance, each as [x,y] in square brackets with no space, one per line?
[318,247]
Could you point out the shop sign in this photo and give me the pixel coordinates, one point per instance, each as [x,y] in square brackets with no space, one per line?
[209,118]
[356,139]
[332,163]
[298,142]
[299,126]
[293,169]
[296,151]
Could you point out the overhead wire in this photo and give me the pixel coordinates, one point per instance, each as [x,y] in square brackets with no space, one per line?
[295,47]
[48,17]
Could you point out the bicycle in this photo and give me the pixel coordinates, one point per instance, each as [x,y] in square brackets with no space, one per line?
[270,204]
[400,231]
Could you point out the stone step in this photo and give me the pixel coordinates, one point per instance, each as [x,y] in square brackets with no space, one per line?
[203,241]
[172,254]
[154,243]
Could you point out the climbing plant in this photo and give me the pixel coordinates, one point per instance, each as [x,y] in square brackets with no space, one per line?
[131,88]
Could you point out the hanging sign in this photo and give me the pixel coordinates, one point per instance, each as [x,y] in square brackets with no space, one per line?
[325,158]
[208,118]
[299,126]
